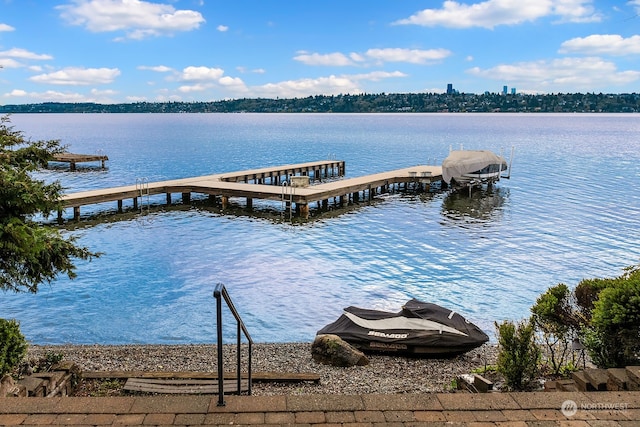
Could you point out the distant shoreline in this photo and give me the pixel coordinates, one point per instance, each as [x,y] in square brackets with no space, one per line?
[365,103]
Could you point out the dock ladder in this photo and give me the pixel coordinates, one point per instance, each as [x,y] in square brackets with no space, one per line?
[220,293]
[142,188]
[288,191]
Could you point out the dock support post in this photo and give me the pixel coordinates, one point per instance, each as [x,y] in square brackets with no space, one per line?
[119,206]
[168,198]
[186,198]
[225,202]
[249,203]
[135,203]
[304,210]
[60,211]
[76,212]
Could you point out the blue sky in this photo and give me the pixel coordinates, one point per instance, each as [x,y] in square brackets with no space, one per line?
[113,51]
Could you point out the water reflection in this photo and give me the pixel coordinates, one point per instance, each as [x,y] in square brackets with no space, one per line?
[482,205]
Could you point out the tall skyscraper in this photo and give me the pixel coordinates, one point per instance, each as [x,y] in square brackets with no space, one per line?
[449,88]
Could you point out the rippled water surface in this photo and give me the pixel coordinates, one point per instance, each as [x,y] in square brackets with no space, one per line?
[571,210]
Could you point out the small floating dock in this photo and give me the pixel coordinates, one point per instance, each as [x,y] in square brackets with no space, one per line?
[73,159]
[297,185]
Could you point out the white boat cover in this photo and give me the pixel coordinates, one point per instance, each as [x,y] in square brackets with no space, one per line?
[462,162]
[402,322]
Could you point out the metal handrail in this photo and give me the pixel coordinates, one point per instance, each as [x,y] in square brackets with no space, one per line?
[219,293]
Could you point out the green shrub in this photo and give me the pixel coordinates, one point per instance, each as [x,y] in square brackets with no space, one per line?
[555,319]
[518,354]
[586,295]
[13,346]
[613,337]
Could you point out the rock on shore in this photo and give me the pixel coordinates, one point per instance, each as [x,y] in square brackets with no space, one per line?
[384,374]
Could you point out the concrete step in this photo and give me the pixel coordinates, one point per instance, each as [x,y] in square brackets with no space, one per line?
[582,382]
[618,379]
[633,372]
[567,385]
[597,378]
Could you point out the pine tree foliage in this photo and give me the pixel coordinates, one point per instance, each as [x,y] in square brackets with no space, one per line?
[30,253]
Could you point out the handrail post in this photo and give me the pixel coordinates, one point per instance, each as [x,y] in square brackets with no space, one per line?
[239,358]
[219,293]
[217,296]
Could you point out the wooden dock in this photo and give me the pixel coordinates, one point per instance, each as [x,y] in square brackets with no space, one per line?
[73,159]
[296,185]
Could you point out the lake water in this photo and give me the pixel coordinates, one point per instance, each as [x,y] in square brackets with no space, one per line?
[571,210]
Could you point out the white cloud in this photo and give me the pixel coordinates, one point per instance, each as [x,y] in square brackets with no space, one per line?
[55,96]
[6,28]
[10,63]
[243,70]
[328,85]
[579,11]
[205,78]
[412,56]
[491,13]
[200,87]
[16,93]
[78,76]
[357,57]
[136,18]
[156,68]
[376,76]
[331,85]
[201,74]
[103,93]
[222,28]
[136,98]
[566,74]
[234,82]
[15,58]
[23,54]
[335,59]
[602,44]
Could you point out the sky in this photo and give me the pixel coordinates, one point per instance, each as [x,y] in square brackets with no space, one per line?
[124,51]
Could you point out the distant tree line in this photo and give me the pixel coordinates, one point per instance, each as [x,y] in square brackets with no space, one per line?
[366,103]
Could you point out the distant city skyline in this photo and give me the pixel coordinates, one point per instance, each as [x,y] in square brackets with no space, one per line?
[119,51]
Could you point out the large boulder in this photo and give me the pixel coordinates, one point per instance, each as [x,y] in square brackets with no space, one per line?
[333,350]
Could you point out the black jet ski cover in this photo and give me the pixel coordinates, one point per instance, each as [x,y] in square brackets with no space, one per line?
[420,328]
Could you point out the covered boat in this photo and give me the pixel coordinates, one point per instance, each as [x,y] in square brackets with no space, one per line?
[472,167]
[420,328]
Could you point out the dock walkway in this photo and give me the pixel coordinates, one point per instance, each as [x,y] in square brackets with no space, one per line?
[274,183]
[73,159]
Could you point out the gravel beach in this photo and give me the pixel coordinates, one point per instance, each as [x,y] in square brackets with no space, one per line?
[384,374]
